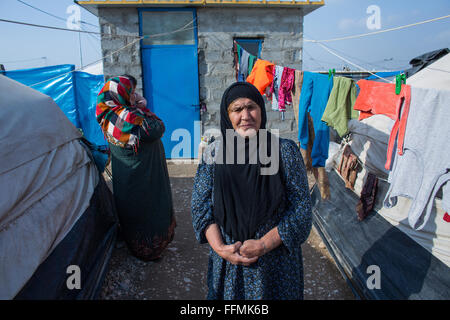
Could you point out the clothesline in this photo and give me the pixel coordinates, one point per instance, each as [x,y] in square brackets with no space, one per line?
[348,61]
[333,102]
[378,32]
[330,51]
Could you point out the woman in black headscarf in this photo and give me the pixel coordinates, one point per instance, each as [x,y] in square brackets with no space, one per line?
[253,217]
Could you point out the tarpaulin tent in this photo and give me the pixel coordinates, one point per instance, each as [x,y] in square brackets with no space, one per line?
[412,264]
[422,61]
[436,75]
[75,92]
[55,210]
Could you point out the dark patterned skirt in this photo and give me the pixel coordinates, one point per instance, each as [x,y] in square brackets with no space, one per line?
[143,198]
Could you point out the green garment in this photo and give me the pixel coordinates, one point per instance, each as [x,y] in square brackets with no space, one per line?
[143,194]
[339,109]
[251,63]
[238,47]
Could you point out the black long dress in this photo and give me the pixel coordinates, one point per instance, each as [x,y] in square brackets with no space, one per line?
[143,194]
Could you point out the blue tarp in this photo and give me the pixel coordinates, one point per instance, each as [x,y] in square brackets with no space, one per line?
[389,75]
[74,92]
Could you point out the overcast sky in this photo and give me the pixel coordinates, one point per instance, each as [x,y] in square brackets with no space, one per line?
[27,47]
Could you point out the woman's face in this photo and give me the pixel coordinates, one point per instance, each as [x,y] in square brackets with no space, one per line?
[245,116]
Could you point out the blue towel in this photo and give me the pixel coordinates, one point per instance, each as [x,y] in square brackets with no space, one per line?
[314,96]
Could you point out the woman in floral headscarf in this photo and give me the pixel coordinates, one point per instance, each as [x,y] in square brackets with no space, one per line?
[140,178]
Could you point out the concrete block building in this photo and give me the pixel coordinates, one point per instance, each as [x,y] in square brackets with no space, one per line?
[181,52]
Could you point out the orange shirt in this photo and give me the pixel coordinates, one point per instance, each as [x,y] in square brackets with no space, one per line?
[261,76]
[380,98]
[377,98]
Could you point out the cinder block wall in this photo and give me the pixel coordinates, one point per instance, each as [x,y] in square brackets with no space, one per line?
[281,30]
[121,22]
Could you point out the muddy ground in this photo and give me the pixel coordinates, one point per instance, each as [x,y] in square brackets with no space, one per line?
[181,273]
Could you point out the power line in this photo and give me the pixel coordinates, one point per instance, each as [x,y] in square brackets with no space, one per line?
[25,60]
[90,64]
[58,28]
[353,64]
[372,64]
[94,45]
[52,15]
[355,58]
[381,31]
[99,33]
[313,59]
[184,28]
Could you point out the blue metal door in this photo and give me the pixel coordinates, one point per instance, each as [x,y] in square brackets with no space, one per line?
[170,76]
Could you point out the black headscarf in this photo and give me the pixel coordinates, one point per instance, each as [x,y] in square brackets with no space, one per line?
[243,198]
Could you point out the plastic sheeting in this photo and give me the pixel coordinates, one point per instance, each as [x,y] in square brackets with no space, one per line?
[420,62]
[388,75]
[54,191]
[48,182]
[436,75]
[406,269]
[74,92]
[89,245]
[60,88]
[31,125]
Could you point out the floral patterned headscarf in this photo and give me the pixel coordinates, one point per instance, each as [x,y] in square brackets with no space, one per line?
[118,118]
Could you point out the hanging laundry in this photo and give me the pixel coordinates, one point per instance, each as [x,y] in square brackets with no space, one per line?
[446,217]
[339,109]
[236,54]
[275,87]
[423,168]
[251,63]
[320,174]
[262,75]
[367,199]
[316,89]
[243,65]
[380,98]
[349,167]
[287,82]
[295,92]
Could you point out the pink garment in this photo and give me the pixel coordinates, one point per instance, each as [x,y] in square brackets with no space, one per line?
[286,85]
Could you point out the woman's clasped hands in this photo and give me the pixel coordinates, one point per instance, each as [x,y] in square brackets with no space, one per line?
[242,253]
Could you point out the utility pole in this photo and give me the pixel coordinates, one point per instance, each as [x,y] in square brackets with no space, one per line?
[81,52]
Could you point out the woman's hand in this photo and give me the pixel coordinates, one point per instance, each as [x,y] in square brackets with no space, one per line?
[256,248]
[231,254]
[228,252]
[252,248]
[141,102]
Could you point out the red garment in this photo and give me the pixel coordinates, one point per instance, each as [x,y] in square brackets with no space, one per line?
[261,76]
[446,217]
[380,98]
[286,85]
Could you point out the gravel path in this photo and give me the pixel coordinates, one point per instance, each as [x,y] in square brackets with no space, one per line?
[181,273]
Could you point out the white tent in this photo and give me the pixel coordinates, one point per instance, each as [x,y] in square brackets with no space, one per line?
[96,68]
[412,264]
[46,181]
[369,143]
[436,75]
[435,236]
